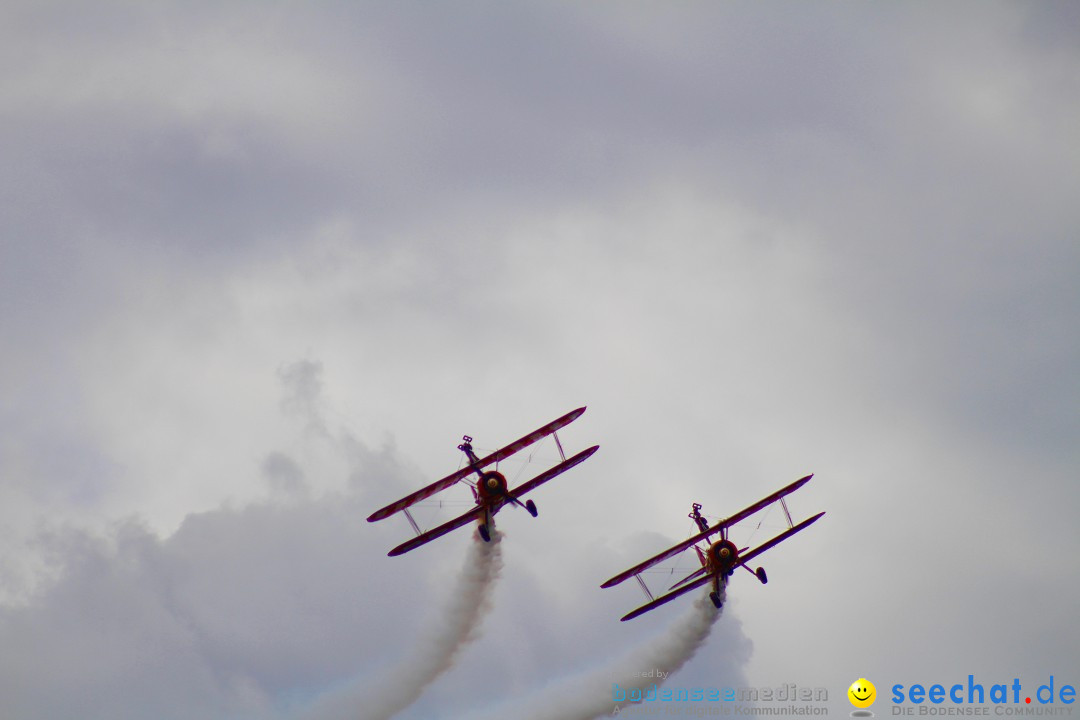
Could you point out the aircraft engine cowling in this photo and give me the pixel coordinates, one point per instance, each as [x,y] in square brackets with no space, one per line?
[492,484]
[724,554]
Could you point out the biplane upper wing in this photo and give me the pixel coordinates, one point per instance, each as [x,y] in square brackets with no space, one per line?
[421,494]
[743,559]
[557,470]
[500,454]
[764,502]
[669,553]
[423,539]
[727,522]
[663,599]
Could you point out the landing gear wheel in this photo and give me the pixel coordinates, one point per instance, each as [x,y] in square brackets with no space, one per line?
[483,530]
[761,575]
[716,600]
[531,507]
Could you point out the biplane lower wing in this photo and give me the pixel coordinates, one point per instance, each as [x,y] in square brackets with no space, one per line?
[664,599]
[697,573]
[500,454]
[725,523]
[743,559]
[557,470]
[474,514]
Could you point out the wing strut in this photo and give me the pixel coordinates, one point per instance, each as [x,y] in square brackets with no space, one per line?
[415,527]
[558,445]
[644,587]
[787,513]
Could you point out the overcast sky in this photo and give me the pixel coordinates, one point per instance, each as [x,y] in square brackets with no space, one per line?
[263,263]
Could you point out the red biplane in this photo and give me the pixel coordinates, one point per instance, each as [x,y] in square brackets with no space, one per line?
[719,559]
[490,489]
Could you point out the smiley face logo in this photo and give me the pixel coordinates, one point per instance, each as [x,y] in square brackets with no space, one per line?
[862,693]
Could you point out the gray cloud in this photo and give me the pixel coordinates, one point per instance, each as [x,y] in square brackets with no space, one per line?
[757,241]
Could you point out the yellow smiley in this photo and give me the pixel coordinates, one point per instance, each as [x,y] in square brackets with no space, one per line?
[861,693]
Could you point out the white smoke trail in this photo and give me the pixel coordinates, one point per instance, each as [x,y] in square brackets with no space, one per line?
[591,696]
[456,627]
